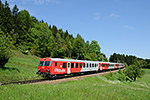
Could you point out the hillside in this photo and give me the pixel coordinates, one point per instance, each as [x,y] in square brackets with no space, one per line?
[19,67]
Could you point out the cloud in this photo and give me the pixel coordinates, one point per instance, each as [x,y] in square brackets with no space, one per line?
[39,2]
[129,27]
[113,15]
[97,16]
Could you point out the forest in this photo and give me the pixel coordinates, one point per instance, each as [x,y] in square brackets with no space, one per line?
[129,60]
[25,33]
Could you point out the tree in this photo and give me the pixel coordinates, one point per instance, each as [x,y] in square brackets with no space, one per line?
[58,49]
[78,50]
[26,24]
[95,48]
[43,40]
[133,71]
[17,33]
[5,52]
[68,46]
[87,47]
[5,18]
[54,30]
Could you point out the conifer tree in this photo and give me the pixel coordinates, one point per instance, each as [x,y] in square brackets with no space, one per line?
[5,52]
[54,30]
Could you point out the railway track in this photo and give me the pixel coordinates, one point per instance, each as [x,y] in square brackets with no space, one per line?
[61,79]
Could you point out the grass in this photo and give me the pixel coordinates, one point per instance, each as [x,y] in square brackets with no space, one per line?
[20,67]
[89,88]
[23,67]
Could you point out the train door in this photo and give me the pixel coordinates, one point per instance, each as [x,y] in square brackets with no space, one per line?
[68,68]
[100,66]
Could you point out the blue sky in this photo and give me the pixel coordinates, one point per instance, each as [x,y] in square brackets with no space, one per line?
[120,26]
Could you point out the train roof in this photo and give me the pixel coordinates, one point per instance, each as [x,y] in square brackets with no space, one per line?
[73,60]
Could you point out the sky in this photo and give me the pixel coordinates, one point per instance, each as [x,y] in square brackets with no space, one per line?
[119,26]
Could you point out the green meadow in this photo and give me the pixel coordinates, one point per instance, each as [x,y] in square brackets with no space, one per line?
[24,67]
[89,88]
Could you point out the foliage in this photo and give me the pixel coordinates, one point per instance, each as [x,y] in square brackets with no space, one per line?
[122,58]
[129,60]
[130,73]
[29,34]
[78,51]
[133,71]
[5,52]
[121,76]
[109,76]
[95,49]
[43,40]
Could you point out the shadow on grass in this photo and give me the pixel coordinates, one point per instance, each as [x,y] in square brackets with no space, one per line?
[10,69]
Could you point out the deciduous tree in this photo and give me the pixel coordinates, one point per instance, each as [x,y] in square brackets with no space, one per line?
[133,71]
[78,51]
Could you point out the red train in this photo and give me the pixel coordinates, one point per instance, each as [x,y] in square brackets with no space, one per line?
[51,67]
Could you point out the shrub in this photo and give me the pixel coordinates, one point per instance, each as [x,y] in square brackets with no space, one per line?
[133,71]
[109,76]
[121,76]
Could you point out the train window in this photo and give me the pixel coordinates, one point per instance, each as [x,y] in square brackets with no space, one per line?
[68,65]
[80,65]
[76,65]
[55,63]
[87,65]
[84,65]
[100,64]
[92,65]
[47,63]
[107,65]
[95,65]
[41,63]
[72,65]
[64,65]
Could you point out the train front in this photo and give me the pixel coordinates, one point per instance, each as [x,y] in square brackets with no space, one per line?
[44,67]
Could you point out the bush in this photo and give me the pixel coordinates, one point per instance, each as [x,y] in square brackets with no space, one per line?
[110,76]
[5,52]
[133,71]
[121,76]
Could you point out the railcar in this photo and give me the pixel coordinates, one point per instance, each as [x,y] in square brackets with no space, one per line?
[51,67]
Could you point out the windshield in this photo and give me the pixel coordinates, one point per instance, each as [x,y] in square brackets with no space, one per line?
[41,63]
[45,63]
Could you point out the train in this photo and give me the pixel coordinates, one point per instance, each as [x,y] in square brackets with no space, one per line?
[53,67]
